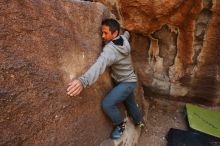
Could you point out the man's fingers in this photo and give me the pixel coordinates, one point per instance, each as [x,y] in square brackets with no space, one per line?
[73,90]
[75,87]
[76,92]
[71,85]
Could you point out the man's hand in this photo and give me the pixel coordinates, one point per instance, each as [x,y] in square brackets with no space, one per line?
[75,87]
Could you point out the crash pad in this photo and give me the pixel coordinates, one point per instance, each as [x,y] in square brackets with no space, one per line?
[203,119]
[179,137]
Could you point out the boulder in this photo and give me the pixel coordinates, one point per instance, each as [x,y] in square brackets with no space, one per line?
[43,45]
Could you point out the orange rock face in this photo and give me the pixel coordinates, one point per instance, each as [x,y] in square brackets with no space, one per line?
[176,46]
[43,45]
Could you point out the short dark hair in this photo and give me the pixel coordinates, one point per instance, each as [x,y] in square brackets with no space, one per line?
[113,24]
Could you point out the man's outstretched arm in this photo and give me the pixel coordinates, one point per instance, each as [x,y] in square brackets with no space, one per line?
[106,58]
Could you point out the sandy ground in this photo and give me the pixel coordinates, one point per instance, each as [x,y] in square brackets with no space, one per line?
[161,116]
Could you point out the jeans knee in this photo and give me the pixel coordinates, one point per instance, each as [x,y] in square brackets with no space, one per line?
[105,105]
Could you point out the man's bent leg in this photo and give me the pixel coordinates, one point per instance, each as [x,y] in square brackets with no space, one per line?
[116,95]
[132,108]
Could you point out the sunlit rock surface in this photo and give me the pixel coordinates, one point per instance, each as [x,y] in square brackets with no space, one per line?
[43,45]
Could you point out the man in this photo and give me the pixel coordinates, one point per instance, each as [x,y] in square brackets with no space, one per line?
[116,55]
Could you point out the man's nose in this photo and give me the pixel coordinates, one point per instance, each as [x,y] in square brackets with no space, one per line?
[103,35]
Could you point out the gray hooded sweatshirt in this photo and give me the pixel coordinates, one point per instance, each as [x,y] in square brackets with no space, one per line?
[118,58]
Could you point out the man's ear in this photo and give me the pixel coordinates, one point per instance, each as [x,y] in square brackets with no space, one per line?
[115,34]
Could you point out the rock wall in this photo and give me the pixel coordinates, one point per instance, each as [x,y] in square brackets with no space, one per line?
[176,46]
[43,45]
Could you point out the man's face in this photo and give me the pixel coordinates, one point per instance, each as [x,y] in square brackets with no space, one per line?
[107,35]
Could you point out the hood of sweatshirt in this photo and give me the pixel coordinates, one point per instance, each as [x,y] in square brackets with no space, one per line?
[121,44]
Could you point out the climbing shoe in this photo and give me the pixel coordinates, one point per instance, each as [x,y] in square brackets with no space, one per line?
[118,131]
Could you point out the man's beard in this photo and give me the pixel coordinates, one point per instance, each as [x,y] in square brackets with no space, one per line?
[104,42]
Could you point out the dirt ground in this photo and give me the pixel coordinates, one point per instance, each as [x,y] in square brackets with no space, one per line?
[161,116]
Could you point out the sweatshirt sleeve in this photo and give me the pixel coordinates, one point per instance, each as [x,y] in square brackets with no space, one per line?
[126,35]
[106,58]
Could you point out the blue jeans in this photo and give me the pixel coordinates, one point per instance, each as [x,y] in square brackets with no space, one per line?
[123,92]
